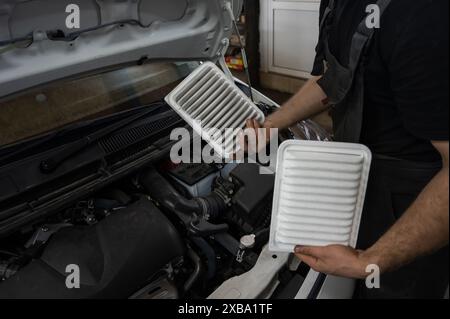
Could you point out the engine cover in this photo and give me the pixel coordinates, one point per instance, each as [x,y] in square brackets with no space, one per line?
[116,257]
[252,202]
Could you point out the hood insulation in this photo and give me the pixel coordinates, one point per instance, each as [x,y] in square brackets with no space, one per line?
[37,46]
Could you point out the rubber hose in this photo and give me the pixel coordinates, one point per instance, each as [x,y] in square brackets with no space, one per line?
[162,191]
[209,253]
[197,270]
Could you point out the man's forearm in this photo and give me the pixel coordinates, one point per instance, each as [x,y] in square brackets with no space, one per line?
[309,101]
[423,229]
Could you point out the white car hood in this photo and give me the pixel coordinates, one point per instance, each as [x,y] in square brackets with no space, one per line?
[36,46]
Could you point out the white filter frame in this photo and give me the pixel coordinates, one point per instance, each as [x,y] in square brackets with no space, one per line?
[330,175]
[220,96]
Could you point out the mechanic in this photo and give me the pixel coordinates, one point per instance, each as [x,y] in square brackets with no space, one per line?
[388,89]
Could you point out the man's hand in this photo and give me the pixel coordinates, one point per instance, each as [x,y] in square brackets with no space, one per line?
[335,260]
[263,134]
[303,105]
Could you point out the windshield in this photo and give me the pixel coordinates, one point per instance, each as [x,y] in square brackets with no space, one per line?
[61,103]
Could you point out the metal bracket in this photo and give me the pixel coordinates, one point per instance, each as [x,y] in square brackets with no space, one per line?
[222,62]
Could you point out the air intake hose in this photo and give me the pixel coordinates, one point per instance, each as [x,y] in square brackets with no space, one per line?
[168,197]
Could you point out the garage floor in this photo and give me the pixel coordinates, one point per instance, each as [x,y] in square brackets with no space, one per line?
[277,96]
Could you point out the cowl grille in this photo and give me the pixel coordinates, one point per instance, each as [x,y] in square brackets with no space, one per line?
[134,135]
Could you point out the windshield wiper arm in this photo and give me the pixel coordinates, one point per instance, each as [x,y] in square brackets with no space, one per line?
[50,164]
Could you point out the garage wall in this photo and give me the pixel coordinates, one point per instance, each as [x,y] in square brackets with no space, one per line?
[289,33]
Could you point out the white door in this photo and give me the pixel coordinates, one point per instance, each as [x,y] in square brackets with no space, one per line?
[289,34]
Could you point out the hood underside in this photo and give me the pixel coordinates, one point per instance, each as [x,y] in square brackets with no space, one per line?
[37,47]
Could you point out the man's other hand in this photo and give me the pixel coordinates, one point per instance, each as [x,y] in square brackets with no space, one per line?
[335,260]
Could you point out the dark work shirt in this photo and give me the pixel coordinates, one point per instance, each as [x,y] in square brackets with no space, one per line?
[406,78]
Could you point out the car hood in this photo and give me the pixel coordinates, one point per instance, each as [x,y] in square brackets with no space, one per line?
[37,46]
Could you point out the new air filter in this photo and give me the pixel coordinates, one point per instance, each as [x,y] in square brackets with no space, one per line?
[319,194]
[211,103]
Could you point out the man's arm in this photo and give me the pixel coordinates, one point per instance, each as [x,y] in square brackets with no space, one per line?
[422,230]
[309,101]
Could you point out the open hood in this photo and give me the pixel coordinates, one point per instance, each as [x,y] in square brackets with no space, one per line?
[37,46]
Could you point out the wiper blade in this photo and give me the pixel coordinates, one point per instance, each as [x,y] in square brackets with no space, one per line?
[22,147]
[50,164]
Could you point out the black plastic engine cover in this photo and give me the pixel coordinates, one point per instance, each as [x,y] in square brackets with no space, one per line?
[252,202]
[116,257]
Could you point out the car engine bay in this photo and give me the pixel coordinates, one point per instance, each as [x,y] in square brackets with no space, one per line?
[104,196]
[172,231]
[143,227]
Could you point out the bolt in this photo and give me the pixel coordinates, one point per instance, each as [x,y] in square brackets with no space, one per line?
[39,35]
[41,98]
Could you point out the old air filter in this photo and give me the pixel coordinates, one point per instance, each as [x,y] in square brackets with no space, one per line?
[211,103]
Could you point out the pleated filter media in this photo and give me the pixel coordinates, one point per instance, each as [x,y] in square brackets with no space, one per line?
[319,194]
[211,103]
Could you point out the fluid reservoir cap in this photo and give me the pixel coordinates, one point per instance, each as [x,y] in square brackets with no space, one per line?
[248,241]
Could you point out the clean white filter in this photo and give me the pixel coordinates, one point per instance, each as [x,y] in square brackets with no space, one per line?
[210,102]
[319,194]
